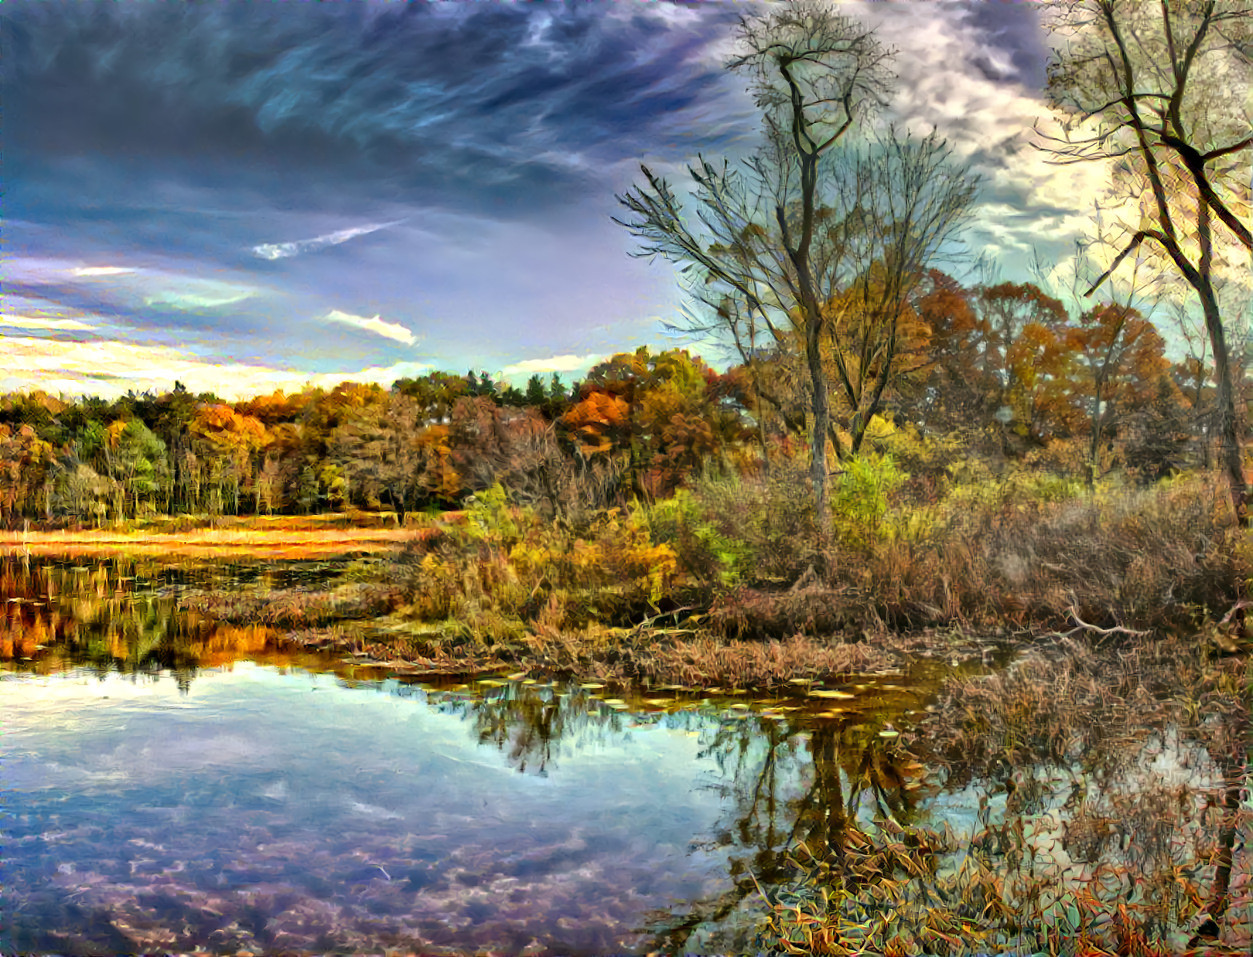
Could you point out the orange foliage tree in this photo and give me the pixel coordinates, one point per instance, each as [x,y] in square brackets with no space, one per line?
[1123,363]
[24,479]
[662,416]
[225,446]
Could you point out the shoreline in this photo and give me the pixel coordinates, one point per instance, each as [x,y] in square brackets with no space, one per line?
[207,542]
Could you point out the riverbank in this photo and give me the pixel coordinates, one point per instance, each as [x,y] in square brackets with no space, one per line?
[258,537]
[735,584]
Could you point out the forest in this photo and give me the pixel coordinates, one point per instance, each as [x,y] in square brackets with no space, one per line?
[998,379]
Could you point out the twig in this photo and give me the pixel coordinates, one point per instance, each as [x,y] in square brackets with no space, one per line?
[1116,630]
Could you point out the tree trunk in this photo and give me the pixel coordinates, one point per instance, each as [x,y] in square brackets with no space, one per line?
[1094,447]
[822,417]
[1235,780]
[1225,402]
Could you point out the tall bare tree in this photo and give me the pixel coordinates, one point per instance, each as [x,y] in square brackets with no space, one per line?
[810,249]
[1163,90]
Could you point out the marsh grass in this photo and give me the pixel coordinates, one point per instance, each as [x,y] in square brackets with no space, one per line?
[758,664]
[688,587]
[1114,818]
[294,607]
[1163,559]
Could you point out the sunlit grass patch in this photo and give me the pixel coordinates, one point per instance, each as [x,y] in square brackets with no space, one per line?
[293,608]
[230,543]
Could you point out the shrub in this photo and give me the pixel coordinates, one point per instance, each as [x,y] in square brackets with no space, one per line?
[750,530]
[860,499]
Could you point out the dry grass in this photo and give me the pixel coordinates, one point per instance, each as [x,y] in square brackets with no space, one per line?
[1109,783]
[1158,559]
[1064,702]
[293,607]
[708,662]
[749,613]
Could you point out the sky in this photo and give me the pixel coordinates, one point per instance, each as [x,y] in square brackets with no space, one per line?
[246,196]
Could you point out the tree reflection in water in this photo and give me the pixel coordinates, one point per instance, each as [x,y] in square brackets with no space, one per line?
[122,615]
[802,791]
[1120,831]
[789,781]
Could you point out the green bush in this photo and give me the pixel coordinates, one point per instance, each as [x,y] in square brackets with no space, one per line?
[861,498]
[740,530]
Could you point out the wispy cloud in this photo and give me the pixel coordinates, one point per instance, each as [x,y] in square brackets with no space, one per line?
[395,97]
[374,324]
[566,363]
[120,289]
[198,294]
[89,271]
[107,368]
[300,246]
[52,323]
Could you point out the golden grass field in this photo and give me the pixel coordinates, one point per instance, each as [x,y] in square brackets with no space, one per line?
[281,537]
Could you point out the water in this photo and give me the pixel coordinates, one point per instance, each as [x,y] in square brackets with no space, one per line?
[350,817]
[175,784]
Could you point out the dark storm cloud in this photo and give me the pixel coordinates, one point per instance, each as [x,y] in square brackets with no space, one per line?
[478,104]
[1014,30]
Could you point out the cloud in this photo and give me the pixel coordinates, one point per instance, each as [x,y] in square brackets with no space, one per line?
[974,73]
[299,246]
[198,294]
[88,271]
[122,291]
[108,368]
[566,363]
[52,323]
[388,330]
[452,103]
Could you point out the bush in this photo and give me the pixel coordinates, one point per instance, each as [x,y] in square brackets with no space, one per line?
[861,498]
[503,573]
[750,530]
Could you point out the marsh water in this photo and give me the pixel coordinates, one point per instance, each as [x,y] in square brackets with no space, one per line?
[176,784]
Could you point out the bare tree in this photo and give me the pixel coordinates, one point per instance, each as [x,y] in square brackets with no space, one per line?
[1162,90]
[809,249]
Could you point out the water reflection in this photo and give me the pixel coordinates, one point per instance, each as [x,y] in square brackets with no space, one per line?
[289,812]
[123,615]
[788,773]
[256,809]
[316,813]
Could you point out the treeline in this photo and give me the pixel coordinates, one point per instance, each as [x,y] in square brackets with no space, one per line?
[999,371]
[425,442]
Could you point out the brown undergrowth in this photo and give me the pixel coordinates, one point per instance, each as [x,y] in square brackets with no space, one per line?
[294,607]
[998,555]
[734,576]
[755,664]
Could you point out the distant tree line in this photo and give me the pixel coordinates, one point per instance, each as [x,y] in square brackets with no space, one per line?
[425,442]
[999,370]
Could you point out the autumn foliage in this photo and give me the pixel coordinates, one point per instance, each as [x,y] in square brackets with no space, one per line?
[1001,372]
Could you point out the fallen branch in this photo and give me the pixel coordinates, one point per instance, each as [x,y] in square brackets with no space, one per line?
[1116,630]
